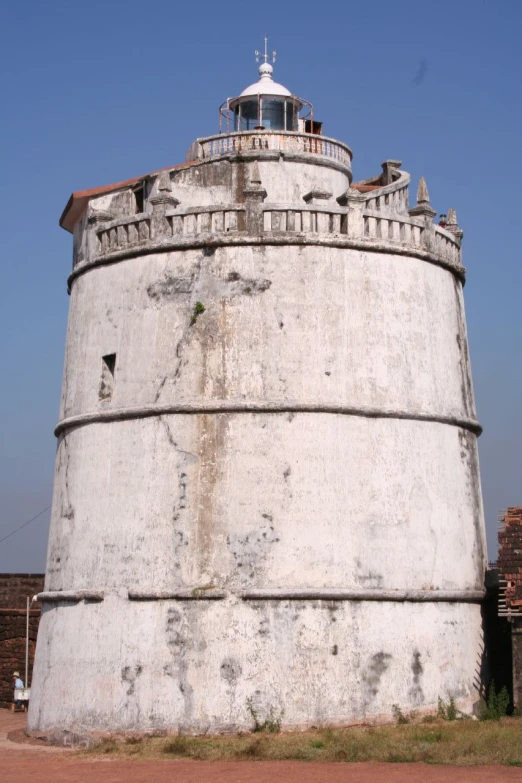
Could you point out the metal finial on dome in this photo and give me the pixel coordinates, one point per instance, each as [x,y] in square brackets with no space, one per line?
[265,55]
[265,69]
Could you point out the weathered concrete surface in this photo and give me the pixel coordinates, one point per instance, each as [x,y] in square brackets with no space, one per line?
[245,418]
[352,500]
[193,665]
[294,324]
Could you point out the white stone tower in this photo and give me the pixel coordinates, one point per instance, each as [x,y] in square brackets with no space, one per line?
[267,488]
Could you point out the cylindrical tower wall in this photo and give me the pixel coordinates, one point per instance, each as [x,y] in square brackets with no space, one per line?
[278,497]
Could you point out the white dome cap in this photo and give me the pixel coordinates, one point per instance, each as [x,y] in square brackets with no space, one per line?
[266,85]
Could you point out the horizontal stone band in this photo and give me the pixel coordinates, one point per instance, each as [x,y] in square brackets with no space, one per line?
[276,594]
[72,596]
[399,596]
[284,238]
[231,406]
[197,593]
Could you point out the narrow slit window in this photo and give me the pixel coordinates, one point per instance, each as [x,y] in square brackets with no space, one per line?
[139,197]
[107,376]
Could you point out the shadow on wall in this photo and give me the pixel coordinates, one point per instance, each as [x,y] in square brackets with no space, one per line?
[497,658]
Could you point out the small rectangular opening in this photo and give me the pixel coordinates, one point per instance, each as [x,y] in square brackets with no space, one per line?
[139,198]
[311,126]
[107,376]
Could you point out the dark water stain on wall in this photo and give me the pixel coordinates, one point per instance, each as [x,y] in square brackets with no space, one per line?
[372,675]
[416,693]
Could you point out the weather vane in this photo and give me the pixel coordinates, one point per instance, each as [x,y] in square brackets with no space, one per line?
[266,56]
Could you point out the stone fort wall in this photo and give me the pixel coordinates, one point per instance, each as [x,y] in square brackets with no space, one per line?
[14,589]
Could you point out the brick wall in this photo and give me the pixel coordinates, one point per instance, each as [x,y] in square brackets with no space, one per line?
[14,589]
[510,554]
[510,568]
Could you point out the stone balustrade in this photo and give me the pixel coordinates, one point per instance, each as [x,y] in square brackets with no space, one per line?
[139,229]
[447,246]
[278,218]
[288,142]
[395,228]
[265,222]
[390,198]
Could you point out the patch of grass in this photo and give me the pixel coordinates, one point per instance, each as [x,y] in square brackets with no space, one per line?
[133,740]
[199,309]
[400,758]
[439,742]
[177,746]
[497,703]
[272,724]
[447,711]
[253,749]
[109,746]
[399,716]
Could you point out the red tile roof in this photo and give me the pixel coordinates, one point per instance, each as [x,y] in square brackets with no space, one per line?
[80,198]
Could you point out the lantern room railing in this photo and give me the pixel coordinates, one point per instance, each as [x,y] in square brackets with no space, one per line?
[288,142]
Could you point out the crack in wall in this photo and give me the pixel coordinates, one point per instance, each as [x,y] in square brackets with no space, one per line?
[469,455]
[466,383]
[191,286]
[185,459]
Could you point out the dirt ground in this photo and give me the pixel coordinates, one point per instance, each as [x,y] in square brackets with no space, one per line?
[22,760]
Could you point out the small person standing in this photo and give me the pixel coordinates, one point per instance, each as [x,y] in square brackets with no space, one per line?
[18,684]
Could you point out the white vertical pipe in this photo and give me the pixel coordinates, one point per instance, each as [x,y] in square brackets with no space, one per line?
[27,643]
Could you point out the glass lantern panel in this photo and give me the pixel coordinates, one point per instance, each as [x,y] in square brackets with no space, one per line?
[292,113]
[247,118]
[273,114]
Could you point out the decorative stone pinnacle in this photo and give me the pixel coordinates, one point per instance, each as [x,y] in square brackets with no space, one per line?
[423,197]
[452,224]
[164,183]
[255,191]
[423,207]
[163,199]
[452,217]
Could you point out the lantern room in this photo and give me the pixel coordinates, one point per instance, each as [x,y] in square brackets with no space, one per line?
[267,105]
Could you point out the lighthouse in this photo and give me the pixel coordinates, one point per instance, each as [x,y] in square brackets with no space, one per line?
[267,493]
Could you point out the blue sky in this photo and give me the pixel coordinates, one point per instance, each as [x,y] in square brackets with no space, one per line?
[99,92]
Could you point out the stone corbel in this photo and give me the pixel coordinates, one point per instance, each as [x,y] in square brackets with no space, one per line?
[162,202]
[390,171]
[355,201]
[94,218]
[316,196]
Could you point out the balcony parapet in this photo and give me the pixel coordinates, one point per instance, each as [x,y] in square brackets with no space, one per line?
[290,144]
[352,225]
